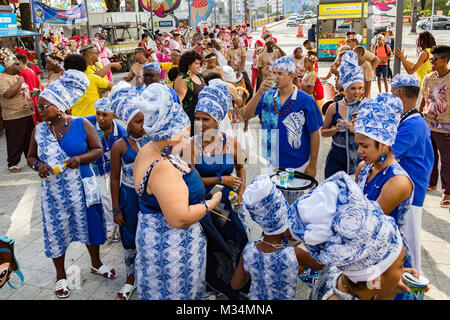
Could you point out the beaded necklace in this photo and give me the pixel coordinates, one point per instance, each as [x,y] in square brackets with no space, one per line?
[286,110]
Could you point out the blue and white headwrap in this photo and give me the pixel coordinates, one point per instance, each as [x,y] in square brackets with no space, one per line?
[285,63]
[163,118]
[405,80]
[122,101]
[378,118]
[267,205]
[152,66]
[341,227]
[215,100]
[350,72]
[67,90]
[103,105]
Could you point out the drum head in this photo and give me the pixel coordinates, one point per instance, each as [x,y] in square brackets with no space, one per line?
[301,181]
[326,105]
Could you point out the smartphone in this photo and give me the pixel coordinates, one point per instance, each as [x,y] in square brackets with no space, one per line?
[214,190]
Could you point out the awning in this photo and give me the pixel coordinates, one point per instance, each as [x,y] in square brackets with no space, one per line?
[10,33]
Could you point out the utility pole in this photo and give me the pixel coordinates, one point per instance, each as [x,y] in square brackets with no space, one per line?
[432,13]
[362,19]
[398,35]
[267,10]
[189,9]
[230,12]
[87,20]
[247,16]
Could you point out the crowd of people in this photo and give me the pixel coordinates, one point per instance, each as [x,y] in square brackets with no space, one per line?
[138,161]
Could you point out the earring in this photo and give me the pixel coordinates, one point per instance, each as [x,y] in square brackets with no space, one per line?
[382,158]
[167,150]
[59,116]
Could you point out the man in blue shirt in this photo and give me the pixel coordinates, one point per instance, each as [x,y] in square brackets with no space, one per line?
[312,35]
[290,120]
[109,132]
[414,152]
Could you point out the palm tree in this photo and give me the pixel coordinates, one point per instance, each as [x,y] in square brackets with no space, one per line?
[414,15]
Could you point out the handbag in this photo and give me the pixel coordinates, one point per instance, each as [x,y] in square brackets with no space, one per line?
[318,90]
[91,191]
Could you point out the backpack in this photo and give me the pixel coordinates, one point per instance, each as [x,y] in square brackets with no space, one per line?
[385,49]
[318,90]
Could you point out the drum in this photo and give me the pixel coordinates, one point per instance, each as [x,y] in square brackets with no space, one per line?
[300,185]
[328,91]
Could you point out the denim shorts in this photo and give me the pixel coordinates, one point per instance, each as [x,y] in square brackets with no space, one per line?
[381,71]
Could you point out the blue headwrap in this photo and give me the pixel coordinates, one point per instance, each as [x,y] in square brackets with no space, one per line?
[350,72]
[341,227]
[122,101]
[215,100]
[103,105]
[163,118]
[378,118]
[67,90]
[267,205]
[285,63]
[405,80]
[152,66]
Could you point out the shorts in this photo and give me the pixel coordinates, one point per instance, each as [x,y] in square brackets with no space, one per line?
[381,71]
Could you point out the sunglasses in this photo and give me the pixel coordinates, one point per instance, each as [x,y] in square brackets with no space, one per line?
[43,107]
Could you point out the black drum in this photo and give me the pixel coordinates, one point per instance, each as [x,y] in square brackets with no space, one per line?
[295,189]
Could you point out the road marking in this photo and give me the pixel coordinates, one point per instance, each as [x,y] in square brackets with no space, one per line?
[23,212]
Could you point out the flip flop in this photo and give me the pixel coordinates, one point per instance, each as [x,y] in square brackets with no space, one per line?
[445,204]
[104,271]
[15,169]
[62,285]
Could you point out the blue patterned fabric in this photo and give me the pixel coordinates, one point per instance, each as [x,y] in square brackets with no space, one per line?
[170,262]
[122,101]
[372,190]
[285,63]
[66,91]
[163,117]
[103,105]
[274,275]
[405,80]
[350,72]
[152,66]
[378,118]
[341,227]
[326,286]
[215,100]
[267,205]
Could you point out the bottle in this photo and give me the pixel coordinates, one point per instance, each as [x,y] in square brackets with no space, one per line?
[233,198]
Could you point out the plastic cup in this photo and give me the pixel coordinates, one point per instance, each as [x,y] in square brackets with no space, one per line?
[284,177]
[291,174]
[341,122]
[417,286]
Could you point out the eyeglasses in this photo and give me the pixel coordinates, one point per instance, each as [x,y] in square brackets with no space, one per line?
[279,74]
[43,107]
[434,59]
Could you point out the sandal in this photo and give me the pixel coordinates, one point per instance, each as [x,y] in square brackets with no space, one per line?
[104,271]
[15,169]
[445,204]
[431,188]
[62,285]
[126,291]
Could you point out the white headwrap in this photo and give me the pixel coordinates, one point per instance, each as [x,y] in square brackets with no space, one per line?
[267,205]
[122,101]
[163,118]
[103,105]
[349,71]
[341,227]
[67,90]
[229,75]
[378,118]
[214,99]
[285,63]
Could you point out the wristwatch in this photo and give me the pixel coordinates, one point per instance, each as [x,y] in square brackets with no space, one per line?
[35,165]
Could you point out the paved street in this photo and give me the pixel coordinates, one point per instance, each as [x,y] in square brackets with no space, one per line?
[20,219]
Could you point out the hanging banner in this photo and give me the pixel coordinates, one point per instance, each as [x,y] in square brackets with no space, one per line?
[384,7]
[46,14]
[161,7]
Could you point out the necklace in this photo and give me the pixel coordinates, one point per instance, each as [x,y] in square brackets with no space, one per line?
[62,133]
[285,111]
[273,245]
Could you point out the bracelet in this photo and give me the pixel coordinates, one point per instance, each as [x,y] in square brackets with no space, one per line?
[220,178]
[204,202]
[35,164]
[117,211]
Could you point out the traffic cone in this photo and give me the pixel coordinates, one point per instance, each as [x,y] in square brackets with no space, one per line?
[263,30]
[300,30]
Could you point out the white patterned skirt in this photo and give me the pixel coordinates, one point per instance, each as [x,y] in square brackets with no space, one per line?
[170,262]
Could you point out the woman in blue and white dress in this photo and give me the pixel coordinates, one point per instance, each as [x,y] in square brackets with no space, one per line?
[360,245]
[61,150]
[272,266]
[338,119]
[379,175]
[170,244]
[125,201]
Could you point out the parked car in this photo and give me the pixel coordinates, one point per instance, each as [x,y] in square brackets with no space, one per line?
[300,18]
[308,14]
[439,22]
[292,21]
